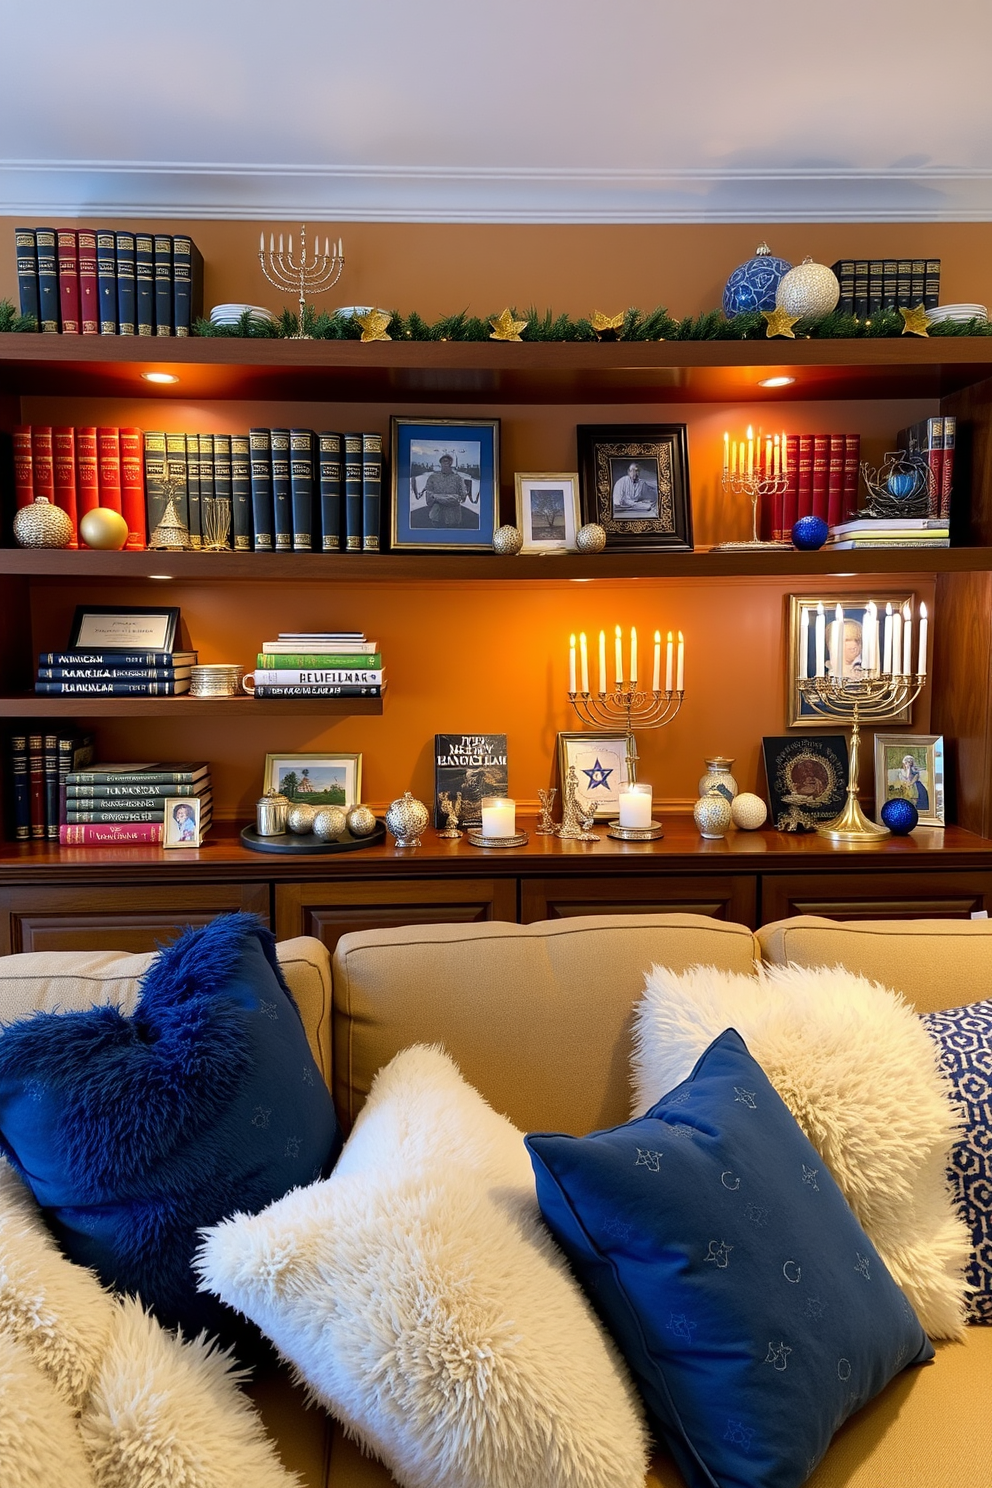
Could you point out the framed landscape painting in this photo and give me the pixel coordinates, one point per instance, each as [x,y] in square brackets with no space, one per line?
[316,779]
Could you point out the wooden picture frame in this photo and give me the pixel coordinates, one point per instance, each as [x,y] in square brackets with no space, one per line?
[635,483]
[600,760]
[548,511]
[444,484]
[800,710]
[911,766]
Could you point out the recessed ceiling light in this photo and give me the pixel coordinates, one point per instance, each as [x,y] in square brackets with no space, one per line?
[776,381]
[161,377]
[160,576]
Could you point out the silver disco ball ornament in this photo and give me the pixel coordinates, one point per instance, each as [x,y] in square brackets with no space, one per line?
[507,540]
[406,818]
[360,821]
[329,822]
[591,538]
[810,289]
[300,818]
[43,525]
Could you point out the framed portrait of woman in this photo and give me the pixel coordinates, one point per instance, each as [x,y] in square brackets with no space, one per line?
[911,767]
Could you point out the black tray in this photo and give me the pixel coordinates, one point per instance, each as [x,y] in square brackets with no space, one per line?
[306,842]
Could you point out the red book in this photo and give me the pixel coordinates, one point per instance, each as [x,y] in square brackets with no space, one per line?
[852,471]
[108,466]
[947,469]
[934,451]
[835,478]
[36,784]
[113,834]
[89,298]
[790,501]
[64,451]
[23,466]
[43,460]
[87,489]
[133,486]
[805,464]
[68,282]
[821,462]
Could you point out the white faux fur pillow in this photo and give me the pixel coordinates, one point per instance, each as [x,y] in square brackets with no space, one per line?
[420,1296]
[860,1074]
[39,1442]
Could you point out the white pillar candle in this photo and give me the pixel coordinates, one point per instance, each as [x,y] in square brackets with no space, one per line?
[819,641]
[680,665]
[750,451]
[922,667]
[907,640]
[896,643]
[633,655]
[635,806]
[668,664]
[867,636]
[571,663]
[584,661]
[887,641]
[619,660]
[838,642]
[804,644]
[778,460]
[602,663]
[656,677]
[499,817]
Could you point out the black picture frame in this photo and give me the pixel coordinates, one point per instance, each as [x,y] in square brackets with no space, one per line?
[660,519]
[418,449]
[806,778]
[153,628]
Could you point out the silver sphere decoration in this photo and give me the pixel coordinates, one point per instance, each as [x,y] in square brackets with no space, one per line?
[42,525]
[809,289]
[507,540]
[591,538]
[749,811]
[406,818]
[712,815]
[300,818]
[360,821]
[329,822]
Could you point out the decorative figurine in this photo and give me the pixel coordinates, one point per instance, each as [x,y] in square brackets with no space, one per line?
[718,777]
[575,821]
[451,810]
[546,825]
[406,818]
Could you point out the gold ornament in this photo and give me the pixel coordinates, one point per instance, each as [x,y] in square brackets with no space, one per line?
[505,328]
[360,821]
[591,538]
[809,289]
[103,528]
[374,325]
[507,540]
[329,822]
[300,817]
[43,525]
[604,325]
[915,322]
[780,323]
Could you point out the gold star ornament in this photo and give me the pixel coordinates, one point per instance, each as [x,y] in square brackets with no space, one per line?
[374,325]
[779,323]
[505,328]
[915,322]
[606,325]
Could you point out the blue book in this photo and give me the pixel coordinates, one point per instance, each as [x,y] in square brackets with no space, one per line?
[261,490]
[301,488]
[112,689]
[353,493]
[106,280]
[162,250]
[329,456]
[371,491]
[144,283]
[241,488]
[127,306]
[187,284]
[281,491]
[46,240]
[193,490]
[20,782]
[116,658]
[27,272]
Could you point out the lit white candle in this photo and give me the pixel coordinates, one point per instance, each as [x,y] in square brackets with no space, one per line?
[819,641]
[272,242]
[907,640]
[291,245]
[785,463]
[499,817]
[656,678]
[635,806]
[868,638]
[261,242]
[340,247]
[896,643]
[280,242]
[327,248]
[602,663]
[837,643]
[887,642]
[768,456]
[733,458]
[669,657]
[633,656]
[922,667]
[571,663]
[804,644]
[584,661]
[619,660]
[776,472]
[750,451]
[726,453]
[680,665]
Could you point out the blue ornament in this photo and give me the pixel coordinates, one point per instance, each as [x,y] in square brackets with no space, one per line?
[900,483]
[752,285]
[900,816]
[809,533]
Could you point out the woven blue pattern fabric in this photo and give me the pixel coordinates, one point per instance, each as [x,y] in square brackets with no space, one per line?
[751,1307]
[964,1035]
[133,1133]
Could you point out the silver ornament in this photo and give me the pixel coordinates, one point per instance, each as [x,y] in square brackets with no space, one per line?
[329,822]
[712,815]
[43,525]
[361,821]
[591,538]
[406,818]
[299,818]
[809,289]
[507,540]
[748,811]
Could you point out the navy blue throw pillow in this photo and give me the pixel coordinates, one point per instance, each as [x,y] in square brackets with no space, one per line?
[135,1132]
[751,1307]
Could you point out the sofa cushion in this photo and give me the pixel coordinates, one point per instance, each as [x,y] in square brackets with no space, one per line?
[751,1306]
[570,984]
[420,1296]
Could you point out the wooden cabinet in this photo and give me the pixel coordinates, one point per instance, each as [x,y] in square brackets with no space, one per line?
[881,895]
[723,896]
[66,917]
[330,909]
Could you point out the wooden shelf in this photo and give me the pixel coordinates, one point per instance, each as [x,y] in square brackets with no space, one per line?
[408,373]
[29,705]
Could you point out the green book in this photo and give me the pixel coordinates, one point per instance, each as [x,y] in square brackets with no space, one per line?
[319,661]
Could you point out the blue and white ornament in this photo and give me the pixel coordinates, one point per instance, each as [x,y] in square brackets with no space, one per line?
[752,285]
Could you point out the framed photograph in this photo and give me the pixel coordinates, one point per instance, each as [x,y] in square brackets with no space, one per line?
[181,823]
[635,484]
[124,628]
[807,780]
[548,512]
[316,779]
[600,761]
[444,483]
[801,711]
[911,766]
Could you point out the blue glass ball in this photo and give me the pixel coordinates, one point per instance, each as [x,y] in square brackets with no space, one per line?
[900,816]
[809,533]
[752,285]
[900,483]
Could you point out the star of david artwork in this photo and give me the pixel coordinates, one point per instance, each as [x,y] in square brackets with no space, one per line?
[778,1355]
[598,776]
[719,1254]
[649,1160]
[738,1434]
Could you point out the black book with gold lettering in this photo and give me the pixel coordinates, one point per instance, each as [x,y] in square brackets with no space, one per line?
[353,492]
[469,766]
[371,491]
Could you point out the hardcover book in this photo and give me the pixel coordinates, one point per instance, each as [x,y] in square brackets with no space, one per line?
[241,505]
[87,486]
[193,490]
[155,472]
[132,487]
[371,491]
[64,462]
[27,271]
[301,488]
[330,491]
[175,464]
[108,468]
[106,280]
[282,511]
[48,279]
[187,284]
[127,306]
[68,282]
[181,773]
[20,789]
[470,766]
[807,780]
[89,295]
[162,249]
[261,490]
[23,465]
[43,461]
[144,283]
[352,493]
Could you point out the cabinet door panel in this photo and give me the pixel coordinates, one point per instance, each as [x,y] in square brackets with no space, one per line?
[330,910]
[728,897]
[117,919]
[876,896]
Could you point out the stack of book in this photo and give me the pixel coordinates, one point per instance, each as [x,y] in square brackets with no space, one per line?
[934,438]
[890,532]
[114,673]
[870,284]
[93,281]
[319,664]
[821,481]
[41,756]
[110,804]
[80,469]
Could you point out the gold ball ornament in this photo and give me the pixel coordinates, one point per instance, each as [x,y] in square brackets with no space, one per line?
[749,811]
[810,289]
[104,529]
[300,819]
[42,525]
[329,822]
[360,821]
[507,540]
[591,538]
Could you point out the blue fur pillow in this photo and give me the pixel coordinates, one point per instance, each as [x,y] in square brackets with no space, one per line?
[135,1132]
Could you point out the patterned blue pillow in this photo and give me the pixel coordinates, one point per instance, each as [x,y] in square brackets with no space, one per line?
[964,1035]
[135,1132]
[751,1307]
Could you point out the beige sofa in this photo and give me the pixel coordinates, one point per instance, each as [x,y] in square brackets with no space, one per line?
[538,1018]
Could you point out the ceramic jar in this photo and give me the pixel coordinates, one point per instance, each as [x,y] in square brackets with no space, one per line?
[406,818]
[718,777]
[712,815]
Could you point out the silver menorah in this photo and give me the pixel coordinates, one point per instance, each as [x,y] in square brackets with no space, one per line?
[630,708]
[758,489]
[302,275]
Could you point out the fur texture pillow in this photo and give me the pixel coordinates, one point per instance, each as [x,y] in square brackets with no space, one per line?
[858,1071]
[39,1442]
[421,1298]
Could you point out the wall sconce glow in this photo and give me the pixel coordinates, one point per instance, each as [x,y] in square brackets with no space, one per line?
[776,381]
[160,576]
[159,377]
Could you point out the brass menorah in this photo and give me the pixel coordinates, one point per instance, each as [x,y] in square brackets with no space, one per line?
[758,489]
[302,275]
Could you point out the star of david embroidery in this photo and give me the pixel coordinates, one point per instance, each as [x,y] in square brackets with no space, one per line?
[738,1434]
[813,1309]
[292,1147]
[649,1160]
[778,1355]
[863,1265]
[260,1117]
[679,1099]
[809,1176]
[268,1010]
[307,1075]
[719,1254]
[618,1230]
[745,1097]
[598,776]
[757,1214]
[681,1326]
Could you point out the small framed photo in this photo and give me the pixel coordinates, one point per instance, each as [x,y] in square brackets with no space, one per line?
[316,779]
[635,484]
[801,710]
[807,780]
[600,761]
[911,766]
[444,483]
[124,628]
[548,511]
[181,823]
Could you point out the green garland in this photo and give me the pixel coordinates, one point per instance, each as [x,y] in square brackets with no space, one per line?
[11,321]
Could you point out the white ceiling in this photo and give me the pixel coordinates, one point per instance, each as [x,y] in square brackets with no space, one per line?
[499,110]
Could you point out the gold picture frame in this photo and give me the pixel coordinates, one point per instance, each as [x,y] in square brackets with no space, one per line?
[911,767]
[543,496]
[316,779]
[600,760]
[800,711]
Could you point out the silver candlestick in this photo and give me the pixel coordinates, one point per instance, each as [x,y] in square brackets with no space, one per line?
[302,275]
[758,489]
